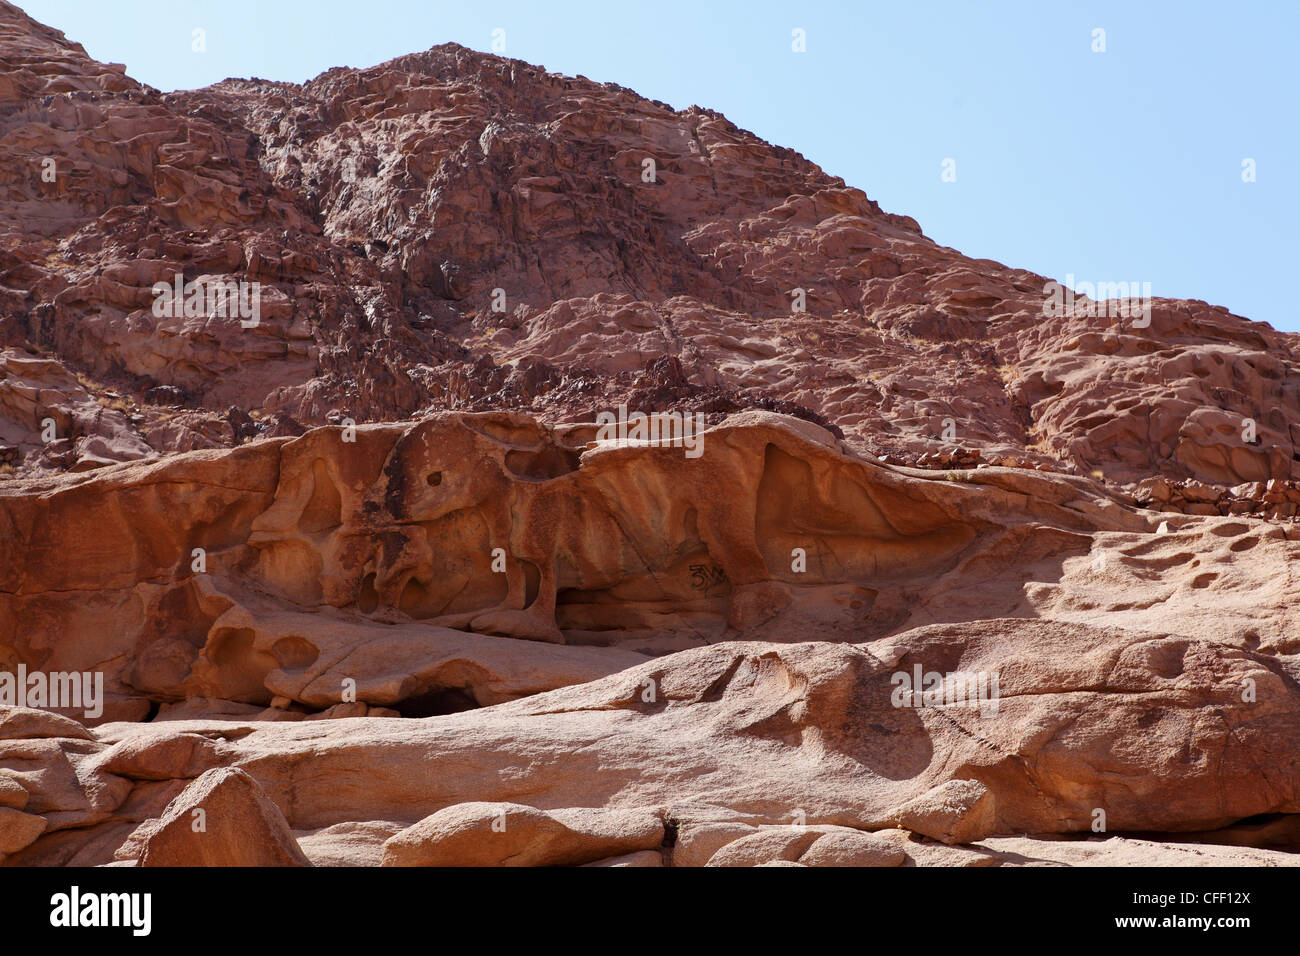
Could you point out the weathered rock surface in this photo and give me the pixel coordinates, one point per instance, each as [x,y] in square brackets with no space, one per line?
[18,829]
[364,574]
[223,818]
[959,811]
[401,570]
[1151,730]
[508,834]
[1123,851]
[809,846]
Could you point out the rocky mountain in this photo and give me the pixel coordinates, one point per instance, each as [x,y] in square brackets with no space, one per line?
[937,570]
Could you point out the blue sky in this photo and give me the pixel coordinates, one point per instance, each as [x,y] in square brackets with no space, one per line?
[1123,165]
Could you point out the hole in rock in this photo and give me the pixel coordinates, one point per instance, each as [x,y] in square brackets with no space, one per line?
[240,668]
[505,428]
[176,630]
[544,464]
[325,508]
[671,828]
[368,598]
[434,479]
[295,652]
[435,703]
[532,582]
[417,600]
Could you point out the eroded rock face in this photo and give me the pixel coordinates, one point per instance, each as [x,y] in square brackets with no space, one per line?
[416,560]
[1153,732]
[1105,666]
[366,578]
[440,558]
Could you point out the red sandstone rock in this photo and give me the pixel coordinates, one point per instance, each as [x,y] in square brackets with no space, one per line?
[380,528]
[507,834]
[223,818]
[355,202]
